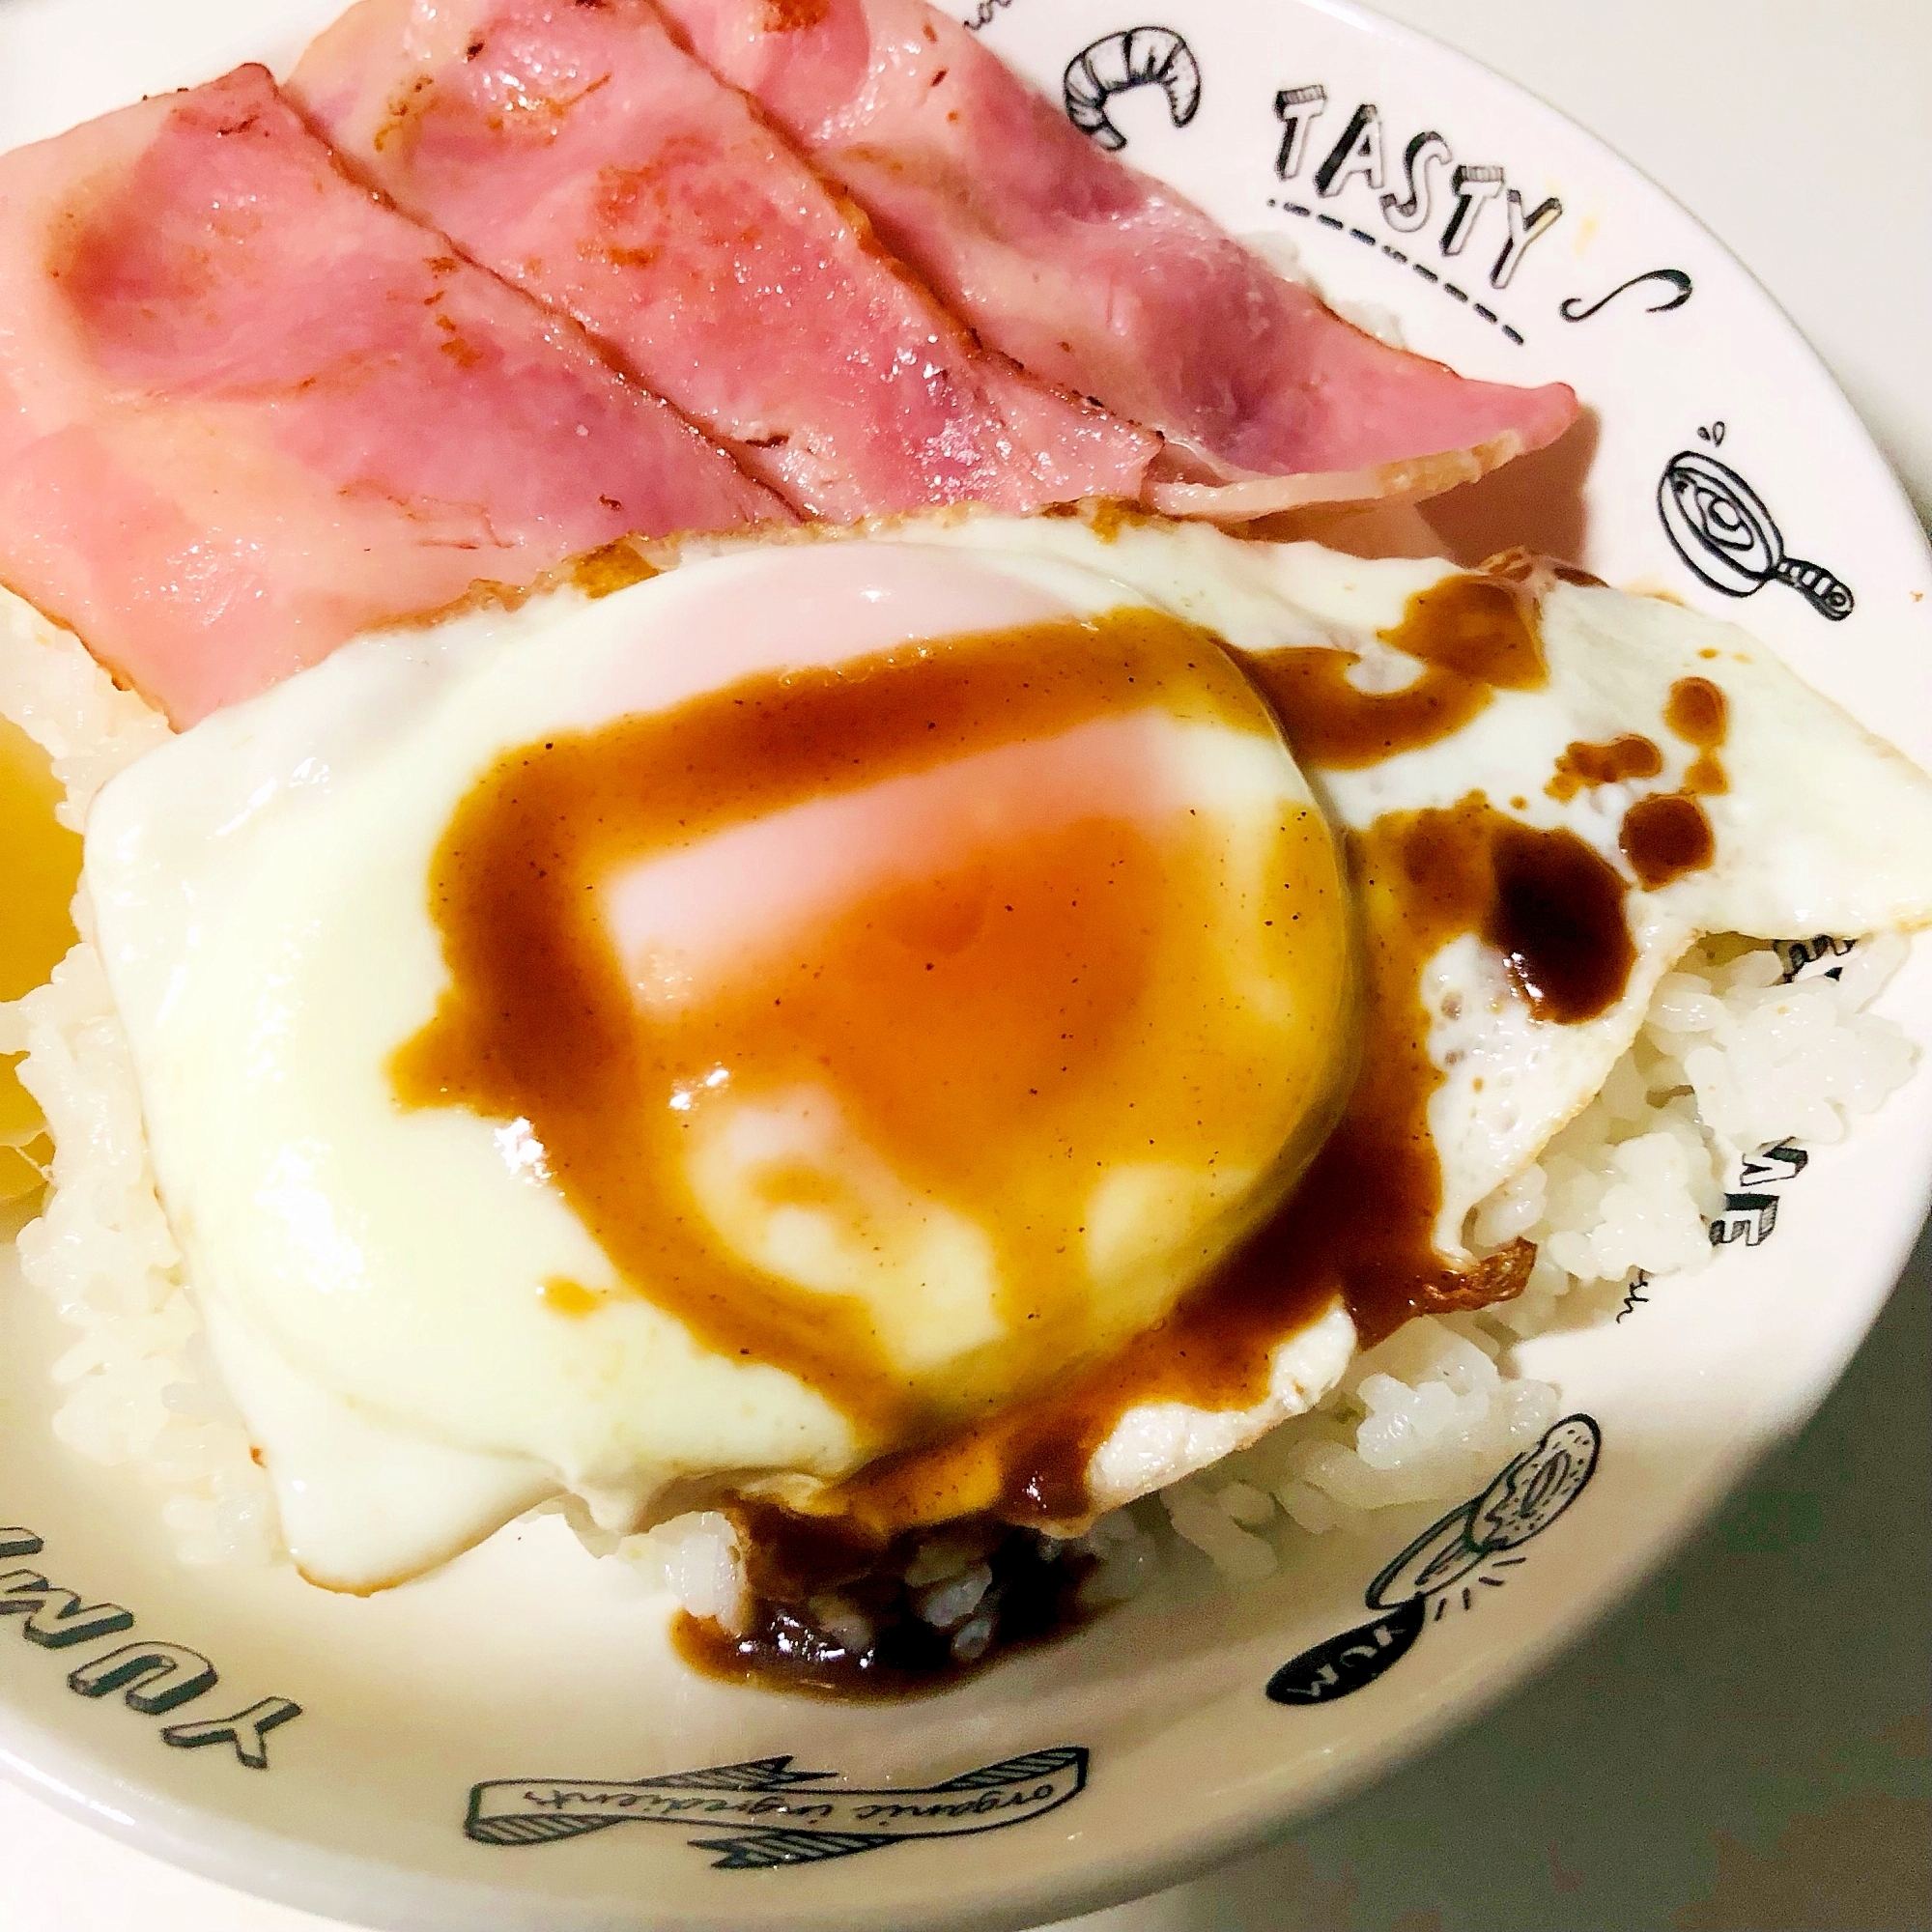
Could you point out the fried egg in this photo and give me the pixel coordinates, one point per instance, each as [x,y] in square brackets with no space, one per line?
[888,1022]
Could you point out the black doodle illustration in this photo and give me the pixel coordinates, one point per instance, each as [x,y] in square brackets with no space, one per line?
[1801,954]
[1750,1215]
[1719,524]
[1635,1297]
[984,14]
[1744,1217]
[1399,258]
[1785,1161]
[763,1813]
[1455,1553]
[1137,57]
[1431,180]
[1573,308]
[153,1677]
[1297,110]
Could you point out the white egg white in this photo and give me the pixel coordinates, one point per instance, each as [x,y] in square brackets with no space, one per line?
[372,1274]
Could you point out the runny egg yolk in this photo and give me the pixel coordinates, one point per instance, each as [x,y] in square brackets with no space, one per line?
[920,1025]
[43,867]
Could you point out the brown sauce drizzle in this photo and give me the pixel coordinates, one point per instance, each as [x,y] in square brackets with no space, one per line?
[1666,835]
[1669,833]
[1059,988]
[1556,916]
[1582,766]
[1699,714]
[570,1298]
[1360,1226]
[837,1614]
[1358,1229]
[1475,636]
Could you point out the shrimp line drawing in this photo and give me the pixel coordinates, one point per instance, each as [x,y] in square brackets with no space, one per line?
[1136,57]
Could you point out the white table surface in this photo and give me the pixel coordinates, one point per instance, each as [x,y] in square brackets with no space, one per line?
[1746,1744]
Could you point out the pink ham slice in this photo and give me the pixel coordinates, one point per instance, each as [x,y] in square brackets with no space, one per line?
[247,410]
[1096,276]
[578,151]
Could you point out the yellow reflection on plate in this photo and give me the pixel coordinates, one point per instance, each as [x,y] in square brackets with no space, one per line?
[39,866]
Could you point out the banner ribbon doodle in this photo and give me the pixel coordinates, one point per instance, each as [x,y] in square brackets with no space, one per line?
[763,1813]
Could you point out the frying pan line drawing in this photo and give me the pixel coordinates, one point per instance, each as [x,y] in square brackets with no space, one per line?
[1719,524]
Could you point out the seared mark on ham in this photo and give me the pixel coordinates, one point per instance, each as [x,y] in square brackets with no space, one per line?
[248,410]
[586,156]
[1097,277]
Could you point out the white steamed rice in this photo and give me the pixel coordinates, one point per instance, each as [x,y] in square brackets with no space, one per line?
[138,1385]
[1736,1055]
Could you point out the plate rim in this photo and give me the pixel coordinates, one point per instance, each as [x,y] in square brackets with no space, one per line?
[269,1863]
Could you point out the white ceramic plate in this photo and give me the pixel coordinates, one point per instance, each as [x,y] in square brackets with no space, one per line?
[511,1742]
